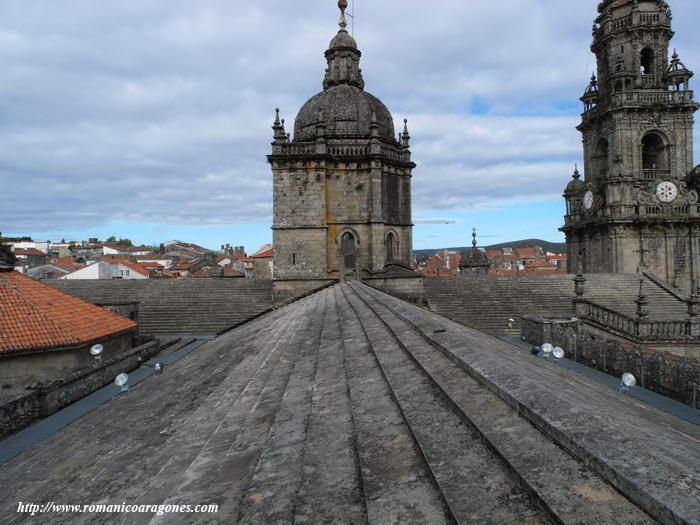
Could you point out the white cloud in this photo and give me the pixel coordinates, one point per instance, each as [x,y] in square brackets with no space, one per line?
[160,111]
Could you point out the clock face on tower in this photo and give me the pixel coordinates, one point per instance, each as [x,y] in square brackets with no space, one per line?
[588,200]
[666,191]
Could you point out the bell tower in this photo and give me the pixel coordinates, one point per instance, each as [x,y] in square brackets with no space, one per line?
[342,183]
[638,203]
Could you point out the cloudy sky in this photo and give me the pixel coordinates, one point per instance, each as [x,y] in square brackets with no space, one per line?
[151,119]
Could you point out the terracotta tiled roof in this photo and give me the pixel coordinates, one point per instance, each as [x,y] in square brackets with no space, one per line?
[29,251]
[186,265]
[159,257]
[68,262]
[265,251]
[151,265]
[541,264]
[36,316]
[528,253]
[264,255]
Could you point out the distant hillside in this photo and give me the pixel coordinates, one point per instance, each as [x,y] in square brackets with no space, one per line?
[555,247]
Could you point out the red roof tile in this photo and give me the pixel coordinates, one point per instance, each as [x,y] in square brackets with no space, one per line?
[265,254]
[29,251]
[541,264]
[36,316]
[151,265]
[157,257]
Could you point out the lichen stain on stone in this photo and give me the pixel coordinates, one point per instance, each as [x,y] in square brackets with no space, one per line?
[257,498]
[596,495]
[532,520]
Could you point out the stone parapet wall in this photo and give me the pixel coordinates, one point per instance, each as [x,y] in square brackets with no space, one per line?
[47,398]
[129,310]
[655,369]
[409,289]
[19,413]
[286,292]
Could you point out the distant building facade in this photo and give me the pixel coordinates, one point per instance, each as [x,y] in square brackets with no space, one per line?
[637,205]
[110,269]
[263,262]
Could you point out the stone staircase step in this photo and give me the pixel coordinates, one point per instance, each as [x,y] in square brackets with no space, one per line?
[232,393]
[604,430]
[331,490]
[223,465]
[487,302]
[542,466]
[180,306]
[474,483]
[397,483]
[271,496]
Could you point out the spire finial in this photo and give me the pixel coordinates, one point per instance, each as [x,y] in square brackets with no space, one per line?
[405,138]
[576,174]
[343,5]
[474,238]
[278,127]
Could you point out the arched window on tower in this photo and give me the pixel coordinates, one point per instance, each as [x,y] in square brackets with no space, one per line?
[654,152]
[348,250]
[647,61]
[601,158]
[391,247]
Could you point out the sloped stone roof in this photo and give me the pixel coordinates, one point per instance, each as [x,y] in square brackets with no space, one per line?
[350,406]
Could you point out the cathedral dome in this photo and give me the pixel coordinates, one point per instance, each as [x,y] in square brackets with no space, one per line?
[345,111]
[343,39]
[474,261]
[343,108]
[576,185]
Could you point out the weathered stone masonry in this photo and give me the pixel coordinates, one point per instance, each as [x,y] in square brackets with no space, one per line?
[638,204]
[342,185]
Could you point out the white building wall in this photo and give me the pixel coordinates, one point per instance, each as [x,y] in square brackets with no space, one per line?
[119,271]
[90,272]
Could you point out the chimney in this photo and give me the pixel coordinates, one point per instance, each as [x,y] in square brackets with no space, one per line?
[8,261]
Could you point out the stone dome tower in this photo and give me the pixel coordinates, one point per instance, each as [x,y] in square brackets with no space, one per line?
[343,108]
[474,261]
[342,184]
